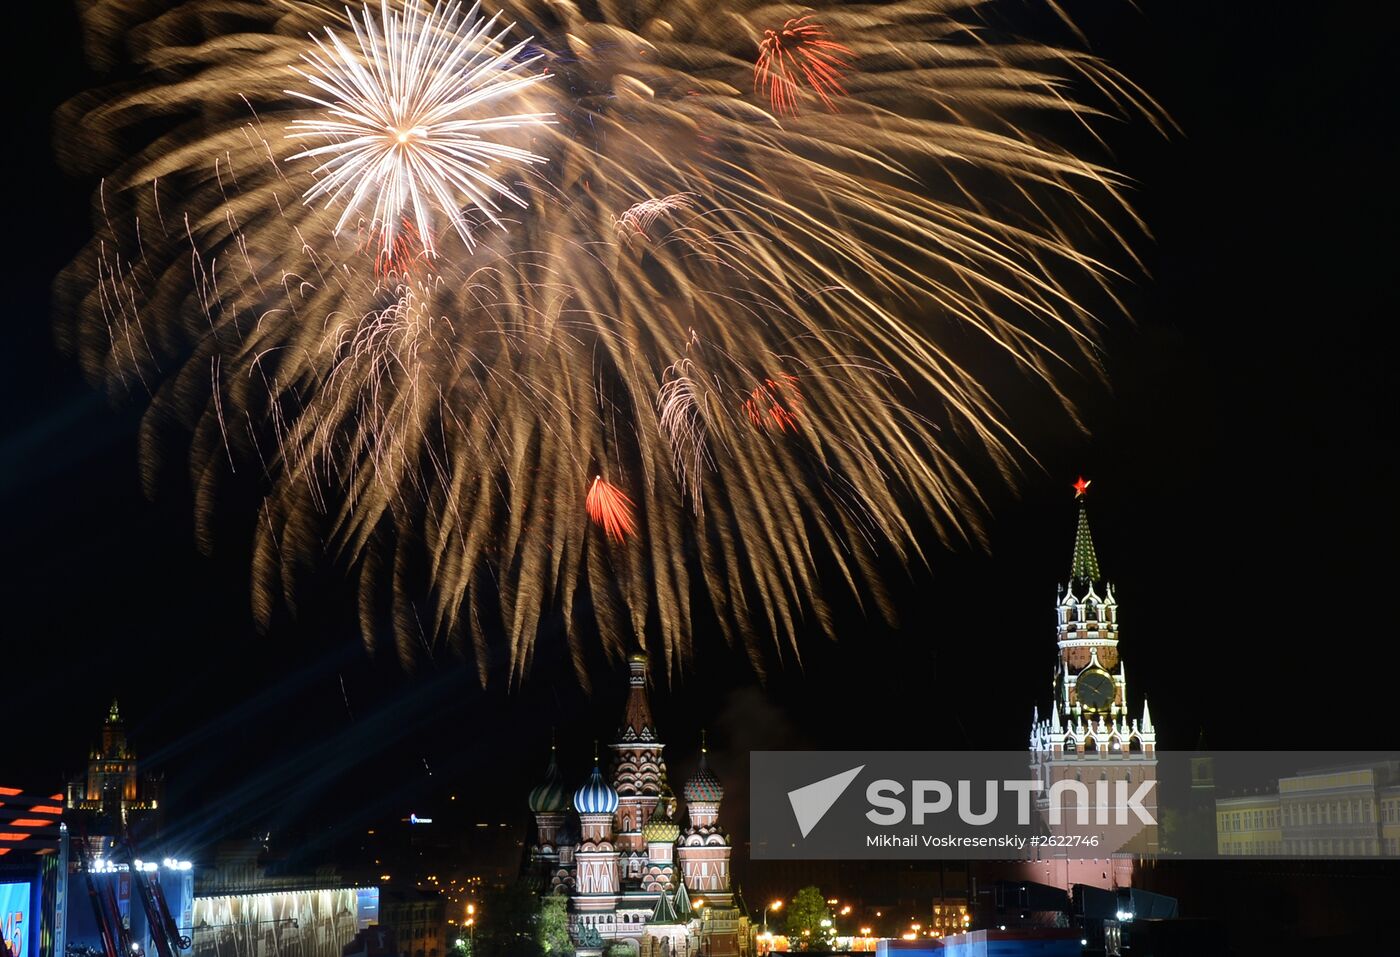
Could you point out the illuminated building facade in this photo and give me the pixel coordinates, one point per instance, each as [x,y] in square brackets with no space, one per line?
[1091,735]
[1248,825]
[949,917]
[633,874]
[112,797]
[418,920]
[1349,811]
[309,923]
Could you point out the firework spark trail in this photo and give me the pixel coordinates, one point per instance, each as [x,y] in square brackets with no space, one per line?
[803,47]
[775,403]
[680,415]
[435,427]
[637,220]
[611,509]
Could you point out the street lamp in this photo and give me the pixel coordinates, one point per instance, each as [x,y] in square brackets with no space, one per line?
[772,905]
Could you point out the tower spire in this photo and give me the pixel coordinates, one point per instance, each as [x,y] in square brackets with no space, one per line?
[1085,568]
[637,723]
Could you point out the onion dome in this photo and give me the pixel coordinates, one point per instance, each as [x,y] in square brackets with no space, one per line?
[660,828]
[703,787]
[549,796]
[596,796]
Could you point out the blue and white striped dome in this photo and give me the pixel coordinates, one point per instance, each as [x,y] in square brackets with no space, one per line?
[596,796]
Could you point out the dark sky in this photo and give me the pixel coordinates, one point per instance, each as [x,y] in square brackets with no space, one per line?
[1243,461]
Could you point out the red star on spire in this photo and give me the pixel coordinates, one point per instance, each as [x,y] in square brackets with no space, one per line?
[1081,487]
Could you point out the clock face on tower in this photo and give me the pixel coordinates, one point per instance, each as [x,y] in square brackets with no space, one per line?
[1094,689]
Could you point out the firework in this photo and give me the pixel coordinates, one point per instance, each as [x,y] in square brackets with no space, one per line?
[406,250]
[773,404]
[802,48]
[638,220]
[680,406]
[610,509]
[408,117]
[420,403]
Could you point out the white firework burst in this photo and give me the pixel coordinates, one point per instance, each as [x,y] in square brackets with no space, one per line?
[636,220]
[680,405]
[409,111]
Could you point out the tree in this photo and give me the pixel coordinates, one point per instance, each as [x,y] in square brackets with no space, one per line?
[809,922]
[552,930]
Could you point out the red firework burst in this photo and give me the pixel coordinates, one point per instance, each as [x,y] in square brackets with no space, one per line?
[801,49]
[610,509]
[404,252]
[774,404]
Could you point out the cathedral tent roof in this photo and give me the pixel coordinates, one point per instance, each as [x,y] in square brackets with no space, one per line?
[637,722]
[665,911]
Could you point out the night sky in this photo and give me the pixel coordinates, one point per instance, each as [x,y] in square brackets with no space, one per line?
[1242,454]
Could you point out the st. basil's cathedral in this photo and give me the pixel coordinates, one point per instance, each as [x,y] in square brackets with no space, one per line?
[632,873]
